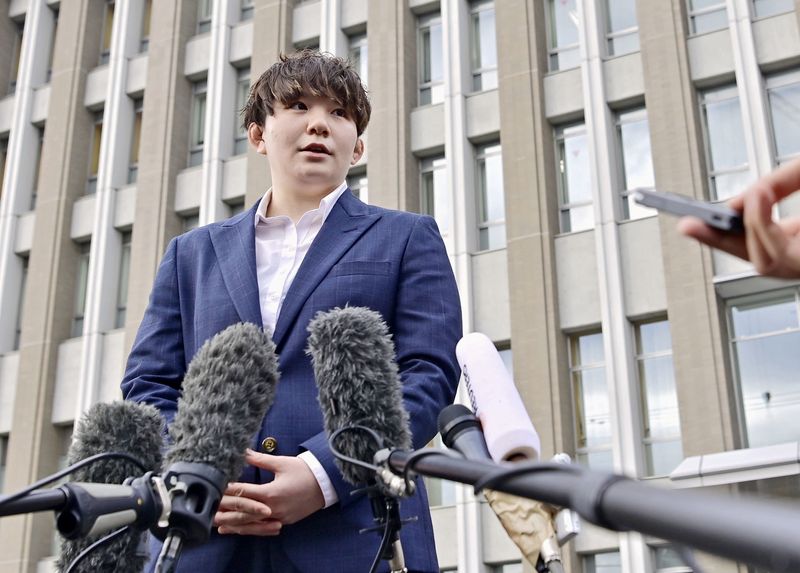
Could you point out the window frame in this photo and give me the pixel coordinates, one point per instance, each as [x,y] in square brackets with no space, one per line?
[109,9]
[772,82]
[561,132]
[430,165]
[482,153]
[77,323]
[478,71]
[197,148]
[616,34]
[756,16]
[426,22]
[205,13]
[123,277]
[358,44]
[553,51]
[95,151]
[692,14]
[631,115]
[240,141]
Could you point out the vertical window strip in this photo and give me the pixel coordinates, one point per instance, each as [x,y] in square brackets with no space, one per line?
[81,285]
[766,8]
[622,28]
[707,16]
[430,56]
[136,136]
[94,158]
[783,95]
[564,52]
[204,12]
[246,9]
[574,178]
[198,123]
[491,198]
[108,27]
[122,280]
[144,42]
[242,93]
[359,55]
[483,45]
[435,199]
[23,284]
[16,54]
[635,161]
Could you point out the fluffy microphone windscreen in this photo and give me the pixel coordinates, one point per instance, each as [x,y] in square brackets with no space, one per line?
[353,358]
[228,388]
[126,427]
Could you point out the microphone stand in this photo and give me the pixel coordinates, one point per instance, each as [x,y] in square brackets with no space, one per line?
[707,522]
[386,510]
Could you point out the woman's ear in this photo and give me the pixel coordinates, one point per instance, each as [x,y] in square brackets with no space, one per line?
[358,151]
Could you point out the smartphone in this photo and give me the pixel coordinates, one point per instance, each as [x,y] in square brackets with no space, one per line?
[717,215]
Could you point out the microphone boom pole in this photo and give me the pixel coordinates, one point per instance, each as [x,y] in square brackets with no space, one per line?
[707,522]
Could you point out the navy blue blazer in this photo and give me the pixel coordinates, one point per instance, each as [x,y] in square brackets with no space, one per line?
[390,261]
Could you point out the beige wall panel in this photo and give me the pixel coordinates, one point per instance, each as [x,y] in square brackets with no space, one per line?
[645,291]
[531,219]
[698,348]
[392,170]
[623,79]
[578,283]
[710,57]
[427,129]
[490,294]
[162,152]
[483,115]
[777,40]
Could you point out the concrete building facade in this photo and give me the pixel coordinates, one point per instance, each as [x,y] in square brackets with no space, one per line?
[522,126]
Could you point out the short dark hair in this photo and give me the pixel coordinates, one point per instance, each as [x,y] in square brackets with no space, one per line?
[308,72]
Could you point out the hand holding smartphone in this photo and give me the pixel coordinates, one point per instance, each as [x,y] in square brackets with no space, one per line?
[716,215]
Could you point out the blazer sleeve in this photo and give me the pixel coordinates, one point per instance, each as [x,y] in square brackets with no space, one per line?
[156,364]
[426,327]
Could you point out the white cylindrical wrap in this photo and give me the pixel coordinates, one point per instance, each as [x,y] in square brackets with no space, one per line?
[506,425]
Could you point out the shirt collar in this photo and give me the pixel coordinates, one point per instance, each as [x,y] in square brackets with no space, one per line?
[325,205]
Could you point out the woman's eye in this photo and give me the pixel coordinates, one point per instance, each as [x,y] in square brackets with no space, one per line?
[298,105]
[340,112]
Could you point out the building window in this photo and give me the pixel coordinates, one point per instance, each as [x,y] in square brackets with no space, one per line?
[358,185]
[661,431]
[484,46]
[358,55]
[16,53]
[440,492]
[633,132]
[783,93]
[622,28]
[515,567]
[3,155]
[204,9]
[37,172]
[23,283]
[765,336]
[707,16]
[108,27]
[667,560]
[94,158]
[764,8]
[52,54]
[190,222]
[574,178]
[242,92]
[563,35]
[590,401]
[81,285]
[491,199]
[609,562]
[246,9]
[3,459]
[122,285]
[435,196]
[726,154]
[198,123]
[136,135]
[147,10]
[430,60]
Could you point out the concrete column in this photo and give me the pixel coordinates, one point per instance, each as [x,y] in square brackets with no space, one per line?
[162,151]
[34,446]
[331,37]
[272,35]
[392,169]
[706,407]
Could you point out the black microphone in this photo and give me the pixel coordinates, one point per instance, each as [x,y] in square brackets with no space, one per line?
[227,390]
[461,431]
[353,357]
[125,427]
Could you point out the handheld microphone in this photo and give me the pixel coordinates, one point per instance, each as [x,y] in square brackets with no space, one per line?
[506,426]
[353,358]
[461,431]
[228,388]
[126,427]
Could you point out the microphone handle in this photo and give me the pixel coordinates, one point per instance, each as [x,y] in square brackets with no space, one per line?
[708,522]
[37,500]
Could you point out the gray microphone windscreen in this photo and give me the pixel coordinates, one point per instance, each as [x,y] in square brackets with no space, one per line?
[125,427]
[228,388]
[353,358]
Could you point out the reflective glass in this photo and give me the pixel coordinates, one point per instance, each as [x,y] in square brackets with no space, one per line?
[577,219]
[763,8]
[589,350]
[621,15]
[725,134]
[491,170]
[727,185]
[600,461]
[654,337]
[624,44]
[636,155]
[564,23]
[565,59]
[667,557]
[770,393]
[632,210]
[484,44]
[603,563]
[663,457]
[660,397]
[711,20]
[784,102]
[594,408]
[435,196]
[575,169]
[764,317]
[492,237]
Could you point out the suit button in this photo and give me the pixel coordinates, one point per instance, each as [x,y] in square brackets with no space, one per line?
[269,445]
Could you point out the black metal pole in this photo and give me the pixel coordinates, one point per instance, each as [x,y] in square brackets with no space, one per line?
[38,500]
[753,531]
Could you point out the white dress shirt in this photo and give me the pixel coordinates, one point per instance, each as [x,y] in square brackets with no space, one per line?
[281,247]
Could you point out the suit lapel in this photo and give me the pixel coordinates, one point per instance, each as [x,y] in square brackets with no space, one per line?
[347,221]
[235,247]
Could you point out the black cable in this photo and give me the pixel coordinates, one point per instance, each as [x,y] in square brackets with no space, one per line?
[382,547]
[102,541]
[66,471]
[339,455]
[417,455]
